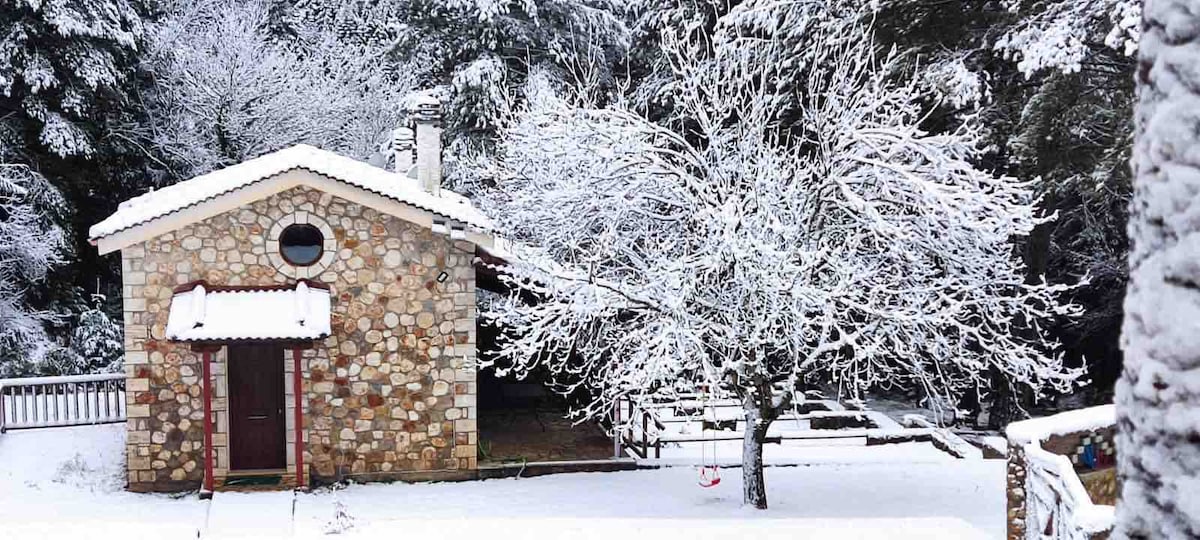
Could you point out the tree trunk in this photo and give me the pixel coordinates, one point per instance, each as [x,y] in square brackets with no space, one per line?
[1157,397]
[753,487]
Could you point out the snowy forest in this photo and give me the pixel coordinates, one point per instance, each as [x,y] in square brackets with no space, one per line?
[106,99]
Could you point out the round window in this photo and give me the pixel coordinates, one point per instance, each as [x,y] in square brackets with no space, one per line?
[301,244]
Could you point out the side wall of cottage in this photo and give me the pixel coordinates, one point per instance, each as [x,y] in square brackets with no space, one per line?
[391,394]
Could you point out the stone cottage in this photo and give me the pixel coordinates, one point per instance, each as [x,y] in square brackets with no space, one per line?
[301,318]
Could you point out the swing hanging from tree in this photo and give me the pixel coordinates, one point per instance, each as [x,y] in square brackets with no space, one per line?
[710,472]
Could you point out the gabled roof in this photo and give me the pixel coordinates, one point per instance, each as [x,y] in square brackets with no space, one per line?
[201,312]
[397,187]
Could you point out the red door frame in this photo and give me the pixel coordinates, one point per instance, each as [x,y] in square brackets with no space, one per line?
[208,423]
[297,397]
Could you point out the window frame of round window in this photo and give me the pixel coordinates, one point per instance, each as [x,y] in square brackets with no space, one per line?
[308,228]
[285,266]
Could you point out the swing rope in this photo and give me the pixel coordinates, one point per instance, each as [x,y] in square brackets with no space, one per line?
[710,475]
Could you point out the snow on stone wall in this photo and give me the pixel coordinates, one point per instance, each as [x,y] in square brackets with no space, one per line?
[1054,491]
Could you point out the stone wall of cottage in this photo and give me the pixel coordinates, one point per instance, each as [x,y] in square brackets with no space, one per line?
[389,394]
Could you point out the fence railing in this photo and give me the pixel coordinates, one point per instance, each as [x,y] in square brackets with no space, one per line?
[645,429]
[75,400]
[1059,507]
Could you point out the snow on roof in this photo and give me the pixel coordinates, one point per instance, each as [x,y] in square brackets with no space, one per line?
[201,314]
[159,203]
[1040,429]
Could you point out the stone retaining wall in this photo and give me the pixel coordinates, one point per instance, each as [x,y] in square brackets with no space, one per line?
[1100,484]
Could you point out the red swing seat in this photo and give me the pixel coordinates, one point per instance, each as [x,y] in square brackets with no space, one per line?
[710,476]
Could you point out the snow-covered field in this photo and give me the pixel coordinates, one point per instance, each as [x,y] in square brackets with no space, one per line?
[66,483]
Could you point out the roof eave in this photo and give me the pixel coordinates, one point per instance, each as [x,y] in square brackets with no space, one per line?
[290,178]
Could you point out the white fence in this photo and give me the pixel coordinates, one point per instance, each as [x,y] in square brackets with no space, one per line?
[661,430]
[37,402]
[1059,508]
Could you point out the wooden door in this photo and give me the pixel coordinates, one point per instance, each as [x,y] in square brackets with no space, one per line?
[256,427]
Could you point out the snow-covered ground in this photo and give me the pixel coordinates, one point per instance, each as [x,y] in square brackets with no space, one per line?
[66,483]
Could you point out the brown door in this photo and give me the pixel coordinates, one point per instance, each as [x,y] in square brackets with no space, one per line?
[256,429]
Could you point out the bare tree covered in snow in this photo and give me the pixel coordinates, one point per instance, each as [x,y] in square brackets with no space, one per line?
[227,90]
[1158,396]
[723,252]
[30,244]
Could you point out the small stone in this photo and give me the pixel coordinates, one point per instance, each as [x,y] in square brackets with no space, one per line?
[425,319]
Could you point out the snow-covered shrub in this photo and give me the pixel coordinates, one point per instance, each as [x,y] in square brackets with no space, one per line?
[342,521]
[78,472]
[95,345]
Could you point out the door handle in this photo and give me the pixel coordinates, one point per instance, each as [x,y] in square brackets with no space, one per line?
[257,417]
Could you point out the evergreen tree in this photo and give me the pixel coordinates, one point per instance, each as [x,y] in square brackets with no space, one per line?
[61,63]
[476,55]
[96,346]
[31,242]
[66,71]
[1050,84]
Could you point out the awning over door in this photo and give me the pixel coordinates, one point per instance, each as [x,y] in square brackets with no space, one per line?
[200,312]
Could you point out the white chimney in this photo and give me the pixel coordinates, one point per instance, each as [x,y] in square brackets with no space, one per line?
[428,116]
[402,149]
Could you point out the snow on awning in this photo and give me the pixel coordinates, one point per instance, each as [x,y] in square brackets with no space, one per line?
[200,312]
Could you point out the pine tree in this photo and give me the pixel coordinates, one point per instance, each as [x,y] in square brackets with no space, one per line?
[61,61]
[66,71]
[1158,396]
[477,54]
[97,342]
[1054,115]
